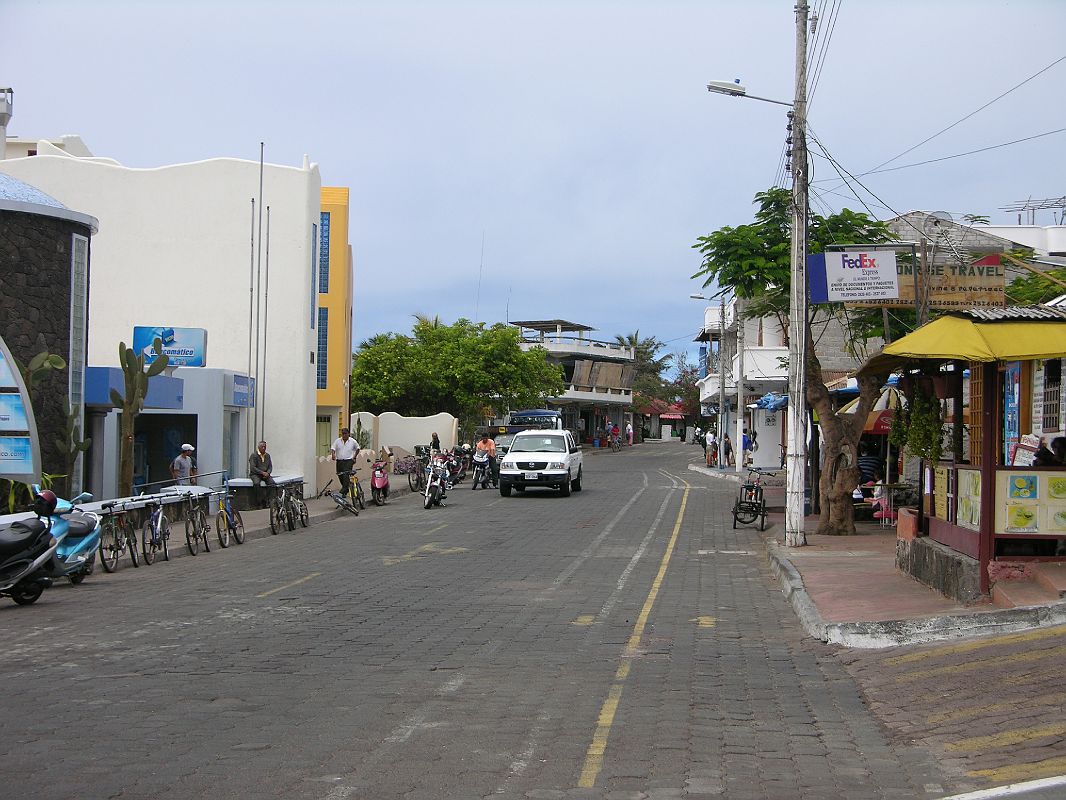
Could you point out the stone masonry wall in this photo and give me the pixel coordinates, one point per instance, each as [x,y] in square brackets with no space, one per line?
[35,262]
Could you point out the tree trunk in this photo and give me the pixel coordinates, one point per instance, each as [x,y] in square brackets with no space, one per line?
[840,435]
[125,482]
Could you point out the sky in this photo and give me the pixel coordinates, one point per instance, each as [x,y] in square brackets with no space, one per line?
[551,159]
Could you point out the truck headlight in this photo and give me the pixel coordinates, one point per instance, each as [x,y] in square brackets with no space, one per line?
[557,465]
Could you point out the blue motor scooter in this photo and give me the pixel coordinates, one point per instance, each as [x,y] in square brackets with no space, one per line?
[78,533]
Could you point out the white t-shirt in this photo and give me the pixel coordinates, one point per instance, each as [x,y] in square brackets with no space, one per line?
[345,451]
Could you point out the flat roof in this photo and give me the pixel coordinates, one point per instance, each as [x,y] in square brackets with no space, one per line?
[552,325]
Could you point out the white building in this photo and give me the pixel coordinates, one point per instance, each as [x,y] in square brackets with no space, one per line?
[762,367]
[178,247]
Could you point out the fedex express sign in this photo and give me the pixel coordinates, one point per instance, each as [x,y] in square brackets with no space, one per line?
[852,276]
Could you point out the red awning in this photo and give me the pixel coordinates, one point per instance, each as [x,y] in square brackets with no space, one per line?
[670,416]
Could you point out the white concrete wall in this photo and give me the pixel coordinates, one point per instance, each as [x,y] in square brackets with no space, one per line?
[174,249]
[395,430]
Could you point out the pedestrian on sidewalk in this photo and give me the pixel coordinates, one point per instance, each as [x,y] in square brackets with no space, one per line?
[711,451]
[728,459]
[629,433]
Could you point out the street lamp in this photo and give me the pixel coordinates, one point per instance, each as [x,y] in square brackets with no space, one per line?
[796,448]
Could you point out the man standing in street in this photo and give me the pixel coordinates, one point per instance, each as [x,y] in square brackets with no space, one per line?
[183,468]
[260,466]
[629,432]
[344,452]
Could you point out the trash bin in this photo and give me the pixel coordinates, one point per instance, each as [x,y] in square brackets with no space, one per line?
[595,442]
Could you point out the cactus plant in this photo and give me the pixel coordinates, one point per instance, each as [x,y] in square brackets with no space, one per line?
[132,402]
[41,366]
[71,445]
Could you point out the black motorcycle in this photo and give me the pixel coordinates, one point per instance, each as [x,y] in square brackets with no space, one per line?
[28,553]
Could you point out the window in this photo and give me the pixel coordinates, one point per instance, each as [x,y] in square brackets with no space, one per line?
[323,336]
[1052,395]
[314,294]
[79,301]
[323,256]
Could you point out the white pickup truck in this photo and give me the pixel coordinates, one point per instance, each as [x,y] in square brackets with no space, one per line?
[545,458]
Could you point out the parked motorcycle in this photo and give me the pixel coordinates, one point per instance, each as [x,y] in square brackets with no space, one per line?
[436,482]
[80,532]
[456,466]
[379,481]
[483,470]
[30,557]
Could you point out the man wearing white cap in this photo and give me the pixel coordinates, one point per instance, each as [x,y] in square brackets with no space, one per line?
[183,468]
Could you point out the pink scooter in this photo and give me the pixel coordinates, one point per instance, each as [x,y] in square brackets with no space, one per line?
[379,481]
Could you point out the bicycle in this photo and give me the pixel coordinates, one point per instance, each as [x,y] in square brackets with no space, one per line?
[281,516]
[416,472]
[155,534]
[299,508]
[196,527]
[343,501]
[228,521]
[116,537]
[751,503]
[616,443]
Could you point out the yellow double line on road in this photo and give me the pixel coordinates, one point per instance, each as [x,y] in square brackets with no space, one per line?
[598,746]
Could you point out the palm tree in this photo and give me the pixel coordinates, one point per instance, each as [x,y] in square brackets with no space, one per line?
[647,360]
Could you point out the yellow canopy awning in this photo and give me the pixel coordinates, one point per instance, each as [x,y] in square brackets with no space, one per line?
[958,338]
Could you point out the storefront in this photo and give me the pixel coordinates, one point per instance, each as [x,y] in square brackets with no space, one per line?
[207,408]
[994,504]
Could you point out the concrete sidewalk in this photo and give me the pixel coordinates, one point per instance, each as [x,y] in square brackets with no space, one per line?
[847,590]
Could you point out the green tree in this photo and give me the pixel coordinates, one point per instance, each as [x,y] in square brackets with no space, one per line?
[465,369]
[1033,289]
[753,261]
[682,389]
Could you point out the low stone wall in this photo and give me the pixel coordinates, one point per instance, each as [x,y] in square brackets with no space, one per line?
[952,574]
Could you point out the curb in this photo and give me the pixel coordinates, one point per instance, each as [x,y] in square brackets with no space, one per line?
[796,593]
[898,632]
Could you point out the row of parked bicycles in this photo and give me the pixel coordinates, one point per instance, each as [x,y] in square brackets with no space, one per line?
[119,537]
[63,540]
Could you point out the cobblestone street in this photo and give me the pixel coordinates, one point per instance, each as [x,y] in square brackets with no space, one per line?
[625,642]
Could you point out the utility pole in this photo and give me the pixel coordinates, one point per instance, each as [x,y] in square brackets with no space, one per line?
[722,424]
[796,448]
[738,442]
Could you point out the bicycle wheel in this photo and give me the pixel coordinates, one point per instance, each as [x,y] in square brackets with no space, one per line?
[203,528]
[238,527]
[222,529]
[412,479]
[275,518]
[192,535]
[290,516]
[304,516]
[360,498]
[744,513]
[164,536]
[149,546]
[109,546]
[130,537]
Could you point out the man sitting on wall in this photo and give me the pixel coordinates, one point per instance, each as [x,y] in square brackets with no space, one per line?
[260,466]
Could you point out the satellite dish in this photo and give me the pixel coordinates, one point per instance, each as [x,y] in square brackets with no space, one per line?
[936,224]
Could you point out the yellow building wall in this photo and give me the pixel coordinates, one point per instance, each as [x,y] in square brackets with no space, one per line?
[334,399]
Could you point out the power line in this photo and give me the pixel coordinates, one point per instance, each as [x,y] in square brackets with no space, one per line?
[967,153]
[963,119]
[834,15]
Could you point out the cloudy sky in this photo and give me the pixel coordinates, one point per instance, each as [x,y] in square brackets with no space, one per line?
[574,138]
